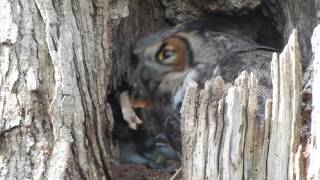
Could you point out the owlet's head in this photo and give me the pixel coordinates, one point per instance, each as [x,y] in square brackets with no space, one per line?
[162,65]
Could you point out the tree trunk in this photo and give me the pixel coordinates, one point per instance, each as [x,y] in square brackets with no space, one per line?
[54,60]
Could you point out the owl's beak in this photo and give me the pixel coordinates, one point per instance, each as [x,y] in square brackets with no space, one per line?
[138,89]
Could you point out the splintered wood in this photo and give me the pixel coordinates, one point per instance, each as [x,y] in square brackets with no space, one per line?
[286,111]
[221,138]
[314,167]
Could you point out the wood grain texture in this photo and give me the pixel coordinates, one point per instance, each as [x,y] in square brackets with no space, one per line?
[286,109]
[314,167]
[54,67]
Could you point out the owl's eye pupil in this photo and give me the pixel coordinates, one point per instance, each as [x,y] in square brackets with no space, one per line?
[168,53]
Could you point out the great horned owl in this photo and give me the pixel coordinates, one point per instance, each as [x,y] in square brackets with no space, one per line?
[167,60]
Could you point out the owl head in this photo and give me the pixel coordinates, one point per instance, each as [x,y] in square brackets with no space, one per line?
[162,67]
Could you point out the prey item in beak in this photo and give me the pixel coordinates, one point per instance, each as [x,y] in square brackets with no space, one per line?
[141,103]
[128,113]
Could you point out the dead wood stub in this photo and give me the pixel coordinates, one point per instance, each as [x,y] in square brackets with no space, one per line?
[314,166]
[286,108]
[220,136]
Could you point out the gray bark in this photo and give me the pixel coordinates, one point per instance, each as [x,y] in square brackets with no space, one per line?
[182,10]
[54,59]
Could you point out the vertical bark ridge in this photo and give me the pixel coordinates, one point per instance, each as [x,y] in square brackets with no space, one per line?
[54,67]
[25,124]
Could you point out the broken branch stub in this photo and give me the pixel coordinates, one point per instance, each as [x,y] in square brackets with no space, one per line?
[221,138]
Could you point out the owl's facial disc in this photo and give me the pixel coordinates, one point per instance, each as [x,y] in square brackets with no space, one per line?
[174,52]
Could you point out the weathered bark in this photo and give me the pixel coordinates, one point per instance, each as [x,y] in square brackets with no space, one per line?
[219,134]
[54,67]
[182,10]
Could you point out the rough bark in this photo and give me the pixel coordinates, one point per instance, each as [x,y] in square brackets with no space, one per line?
[54,59]
[182,10]
[220,133]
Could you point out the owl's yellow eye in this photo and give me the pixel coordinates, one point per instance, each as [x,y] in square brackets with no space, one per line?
[161,56]
[165,55]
